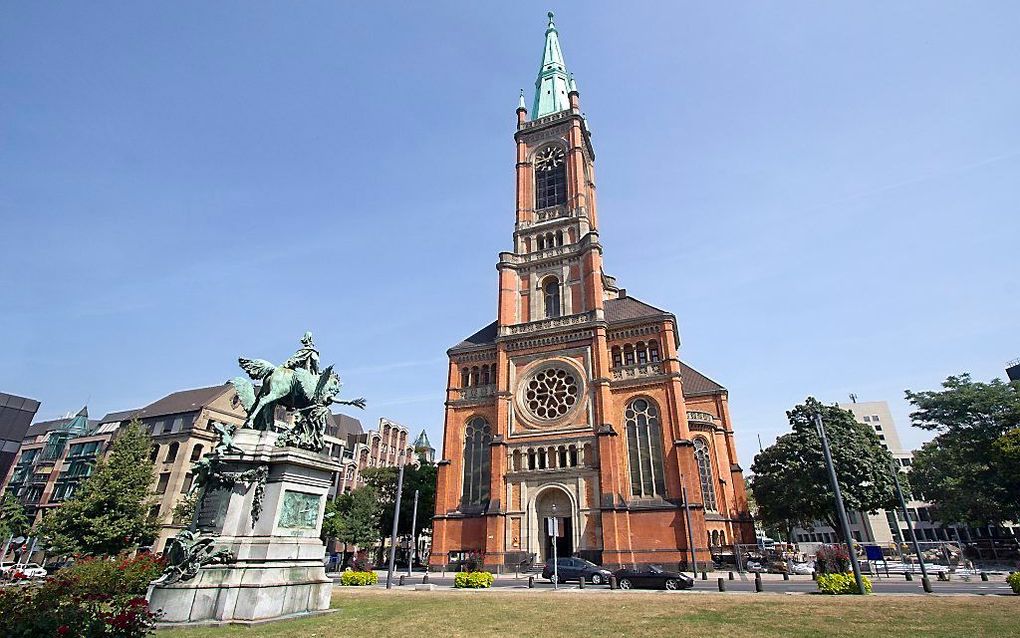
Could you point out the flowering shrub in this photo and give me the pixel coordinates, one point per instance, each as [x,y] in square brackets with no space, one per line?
[473,580]
[358,579]
[473,562]
[841,584]
[1014,582]
[361,563]
[94,598]
[832,559]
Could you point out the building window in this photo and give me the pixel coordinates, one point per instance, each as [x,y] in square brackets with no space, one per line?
[550,177]
[154,454]
[617,357]
[196,453]
[628,355]
[164,480]
[653,351]
[704,459]
[551,294]
[477,438]
[171,452]
[644,447]
[465,377]
[642,354]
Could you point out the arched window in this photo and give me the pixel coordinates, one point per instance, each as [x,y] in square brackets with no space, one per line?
[644,447]
[653,351]
[704,459]
[559,237]
[477,438]
[551,294]
[550,177]
[196,453]
[628,355]
[541,242]
[465,377]
[617,357]
[485,375]
[532,463]
[474,375]
[642,354]
[154,454]
[171,452]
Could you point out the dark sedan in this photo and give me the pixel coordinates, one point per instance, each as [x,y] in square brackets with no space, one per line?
[652,578]
[576,569]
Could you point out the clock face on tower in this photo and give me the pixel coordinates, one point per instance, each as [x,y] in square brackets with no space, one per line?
[549,158]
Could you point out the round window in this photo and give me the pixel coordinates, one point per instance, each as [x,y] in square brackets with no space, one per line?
[551,392]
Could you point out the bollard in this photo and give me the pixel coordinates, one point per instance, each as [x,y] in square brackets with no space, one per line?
[731,575]
[531,582]
[425,579]
[786,576]
[722,584]
[984,577]
[926,584]
[704,575]
[909,576]
[757,583]
[402,578]
[814,575]
[612,582]
[580,582]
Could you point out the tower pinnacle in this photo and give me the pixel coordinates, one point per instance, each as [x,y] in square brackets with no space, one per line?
[551,86]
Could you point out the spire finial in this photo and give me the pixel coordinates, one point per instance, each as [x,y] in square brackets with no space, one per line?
[520,103]
[551,25]
[571,84]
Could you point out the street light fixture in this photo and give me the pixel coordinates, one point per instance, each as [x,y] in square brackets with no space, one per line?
[844,524]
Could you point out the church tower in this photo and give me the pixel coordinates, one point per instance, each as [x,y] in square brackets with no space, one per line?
[574,403]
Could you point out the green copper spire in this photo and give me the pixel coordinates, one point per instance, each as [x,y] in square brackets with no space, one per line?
[551,87]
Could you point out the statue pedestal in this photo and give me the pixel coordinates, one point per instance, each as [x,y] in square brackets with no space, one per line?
[277,564]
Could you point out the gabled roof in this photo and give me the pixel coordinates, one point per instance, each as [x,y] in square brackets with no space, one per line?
[117,417]
[695,383]
[629,308]
[346,425]
[183,401]
[422,442]
[485,336]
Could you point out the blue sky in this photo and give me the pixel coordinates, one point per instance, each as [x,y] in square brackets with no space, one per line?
[825,194]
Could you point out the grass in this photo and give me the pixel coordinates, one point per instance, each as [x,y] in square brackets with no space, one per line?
[410,614]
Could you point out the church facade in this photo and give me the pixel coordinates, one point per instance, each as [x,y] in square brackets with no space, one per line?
[574,403]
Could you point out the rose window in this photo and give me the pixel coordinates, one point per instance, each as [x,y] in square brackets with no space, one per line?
[551,393]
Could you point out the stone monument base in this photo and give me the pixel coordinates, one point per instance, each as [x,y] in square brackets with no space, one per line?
[276,564]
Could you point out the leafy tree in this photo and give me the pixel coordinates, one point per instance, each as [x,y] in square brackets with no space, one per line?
[13,520]
[109,512]
[421,478]
[969,471]
[791,482]
[353,518]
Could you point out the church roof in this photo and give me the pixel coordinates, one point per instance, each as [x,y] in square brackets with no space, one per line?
[695,383]
[485,336]
[629,308]
[552,84]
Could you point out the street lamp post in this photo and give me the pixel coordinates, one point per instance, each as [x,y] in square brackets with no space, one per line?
[414,540]
[554,529]
[393,534]
[840,508]
[906,517]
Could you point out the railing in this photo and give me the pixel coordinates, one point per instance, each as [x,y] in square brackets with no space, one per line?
[637,370]
[545,324]
[478,392]
[700,417]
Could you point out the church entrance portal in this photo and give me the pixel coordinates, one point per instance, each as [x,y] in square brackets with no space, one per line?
[554,503]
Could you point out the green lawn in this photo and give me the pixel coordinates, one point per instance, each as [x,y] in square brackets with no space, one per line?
[410,614]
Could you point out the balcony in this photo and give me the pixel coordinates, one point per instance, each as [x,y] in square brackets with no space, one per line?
[477,392]
[637,371]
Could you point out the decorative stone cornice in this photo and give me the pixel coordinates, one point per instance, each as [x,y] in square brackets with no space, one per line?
[697,416]
[637,370]
[477,392]
[548,324]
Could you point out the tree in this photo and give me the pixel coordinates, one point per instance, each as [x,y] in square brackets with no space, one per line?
[13,520]
[421,478]
[353,518]
[791,482]
[109,512]
[969,471]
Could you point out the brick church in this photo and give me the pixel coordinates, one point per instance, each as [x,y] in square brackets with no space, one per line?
[574,403]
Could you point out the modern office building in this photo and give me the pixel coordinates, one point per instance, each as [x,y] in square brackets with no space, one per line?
[1013,370]
[16,414]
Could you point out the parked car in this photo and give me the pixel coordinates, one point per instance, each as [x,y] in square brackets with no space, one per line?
[27,570]
[802,569]
[653,577]
[576,569]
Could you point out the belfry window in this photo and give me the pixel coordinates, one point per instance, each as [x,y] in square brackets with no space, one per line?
[477,439]
[551,295]
[704,459]
[550,177]
[644,448]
